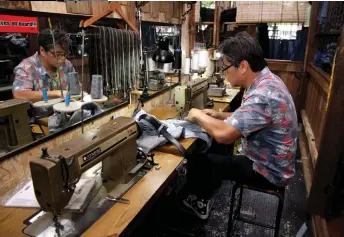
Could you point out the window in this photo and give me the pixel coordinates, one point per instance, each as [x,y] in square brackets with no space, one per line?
[283,31]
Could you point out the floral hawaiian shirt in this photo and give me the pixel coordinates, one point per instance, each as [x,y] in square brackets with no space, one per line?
[268,124]
[31,75]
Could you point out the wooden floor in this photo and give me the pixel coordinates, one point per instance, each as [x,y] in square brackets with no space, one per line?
[170,219]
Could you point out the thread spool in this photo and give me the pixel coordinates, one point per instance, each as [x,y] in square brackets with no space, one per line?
[166,68]
[194,62]
[170,65]
[73,83]
[210,69]
[67,99]
[97,87]
[151,64]
[203,59]
[177,63]
[45,95]
[187,66]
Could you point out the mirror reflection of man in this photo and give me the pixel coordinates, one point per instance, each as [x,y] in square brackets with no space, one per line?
[39,71]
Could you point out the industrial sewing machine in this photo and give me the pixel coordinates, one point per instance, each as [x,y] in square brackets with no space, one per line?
[57,172]
[14,124]
[193,95]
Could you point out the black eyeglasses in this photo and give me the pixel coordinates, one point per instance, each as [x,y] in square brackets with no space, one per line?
[61,55]
[225,67]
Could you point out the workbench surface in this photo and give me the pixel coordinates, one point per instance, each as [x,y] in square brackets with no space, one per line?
[120,215]
[115,220]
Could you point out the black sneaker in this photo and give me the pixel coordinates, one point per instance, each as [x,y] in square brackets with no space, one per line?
[201,207]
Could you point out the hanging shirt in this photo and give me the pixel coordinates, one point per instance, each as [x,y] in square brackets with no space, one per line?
[268,124]
[30,75]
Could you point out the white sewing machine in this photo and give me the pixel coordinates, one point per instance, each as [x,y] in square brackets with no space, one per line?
[193,95]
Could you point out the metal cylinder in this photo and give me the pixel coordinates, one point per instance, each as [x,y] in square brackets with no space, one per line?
[73,83]
[97,87]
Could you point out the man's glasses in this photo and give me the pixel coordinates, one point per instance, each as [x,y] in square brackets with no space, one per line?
[225,67]
[59,55]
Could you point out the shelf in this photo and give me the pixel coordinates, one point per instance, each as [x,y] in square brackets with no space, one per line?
[239,23]
[320,76]
[204,23]
[5,88]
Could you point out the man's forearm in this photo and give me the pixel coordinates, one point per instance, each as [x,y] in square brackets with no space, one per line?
[35,96]
[223,115]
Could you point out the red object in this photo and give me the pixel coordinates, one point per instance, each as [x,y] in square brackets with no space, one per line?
[18,24]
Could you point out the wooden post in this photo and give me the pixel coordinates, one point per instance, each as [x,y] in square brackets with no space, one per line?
[192,29]
[217,23]
[132,13]
[309,55]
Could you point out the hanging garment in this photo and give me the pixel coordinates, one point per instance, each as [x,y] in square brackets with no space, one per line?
[263,38]
[323,12]
[151,139]
[300,45]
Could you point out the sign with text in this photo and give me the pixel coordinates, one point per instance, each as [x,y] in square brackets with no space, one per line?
[18,24]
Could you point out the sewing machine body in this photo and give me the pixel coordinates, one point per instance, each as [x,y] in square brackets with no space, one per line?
[193,95]
[14,124]
[156,80]
[217,86]
[114,144]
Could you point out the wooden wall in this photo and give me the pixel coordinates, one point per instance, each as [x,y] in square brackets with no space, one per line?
[166,12]
[291,73]
[160,11]
[14,169]
[20,5]
[316,99]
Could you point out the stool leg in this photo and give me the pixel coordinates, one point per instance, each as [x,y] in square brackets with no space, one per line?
[279,214]
[237,210]
[230,220]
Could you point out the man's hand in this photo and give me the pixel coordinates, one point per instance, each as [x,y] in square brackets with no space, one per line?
[193,113]
[211,113]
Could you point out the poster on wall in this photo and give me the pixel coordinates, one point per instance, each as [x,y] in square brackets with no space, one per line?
[18,24]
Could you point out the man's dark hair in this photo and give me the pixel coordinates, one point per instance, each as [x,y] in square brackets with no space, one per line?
[243,47]
[45,39]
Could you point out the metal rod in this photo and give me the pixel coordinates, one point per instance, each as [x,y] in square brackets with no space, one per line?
[57,61]
[82,79]
[140,39]
[147,73]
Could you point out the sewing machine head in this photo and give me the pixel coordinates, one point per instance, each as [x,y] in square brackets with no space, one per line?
[15,129]
[193,95]
[56,173]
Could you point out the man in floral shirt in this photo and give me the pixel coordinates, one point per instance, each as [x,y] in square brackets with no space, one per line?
[40,70]
[266,122]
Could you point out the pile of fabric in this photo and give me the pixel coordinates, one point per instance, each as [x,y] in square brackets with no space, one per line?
[150,137]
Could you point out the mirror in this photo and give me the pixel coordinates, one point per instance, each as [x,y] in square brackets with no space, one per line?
[25,123]
[24,120]
[155,37]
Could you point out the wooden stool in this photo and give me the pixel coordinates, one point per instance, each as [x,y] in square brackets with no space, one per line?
[273,190]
